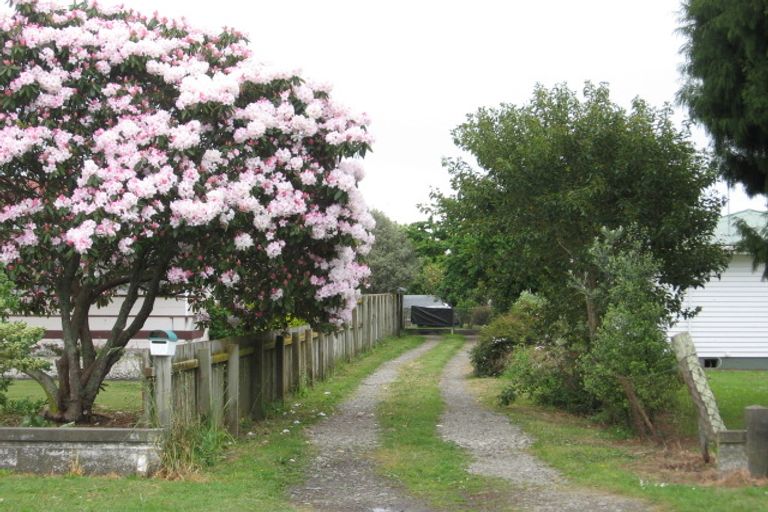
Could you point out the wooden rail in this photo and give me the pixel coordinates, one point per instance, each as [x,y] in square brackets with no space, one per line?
[234,378]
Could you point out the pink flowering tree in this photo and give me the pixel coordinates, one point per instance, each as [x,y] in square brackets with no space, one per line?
[142,158]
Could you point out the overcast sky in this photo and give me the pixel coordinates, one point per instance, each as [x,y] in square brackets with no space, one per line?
[417,68]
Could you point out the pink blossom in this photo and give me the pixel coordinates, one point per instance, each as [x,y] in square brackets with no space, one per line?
[243,241]
[274,249]
[177,275]
[81,236]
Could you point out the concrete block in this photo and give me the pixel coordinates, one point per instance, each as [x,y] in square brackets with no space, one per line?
[86,450]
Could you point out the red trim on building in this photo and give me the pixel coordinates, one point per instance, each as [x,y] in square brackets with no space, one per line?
[141,335]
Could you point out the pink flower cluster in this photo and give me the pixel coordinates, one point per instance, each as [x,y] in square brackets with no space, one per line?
[125,135]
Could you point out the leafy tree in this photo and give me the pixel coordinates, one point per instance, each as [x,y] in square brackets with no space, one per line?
[16,339]
[630,367]
[726,70]
[393,260]
[553,173]
[141,157]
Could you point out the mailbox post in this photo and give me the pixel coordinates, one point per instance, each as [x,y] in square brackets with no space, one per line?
[162,347]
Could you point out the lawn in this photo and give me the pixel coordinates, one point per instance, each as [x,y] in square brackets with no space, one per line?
[117,395]
[594,456]
[253,476]
[412,451]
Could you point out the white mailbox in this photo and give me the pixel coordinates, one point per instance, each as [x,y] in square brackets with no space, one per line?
[162,343]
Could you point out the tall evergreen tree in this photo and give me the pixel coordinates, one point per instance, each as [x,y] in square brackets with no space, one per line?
[727,72]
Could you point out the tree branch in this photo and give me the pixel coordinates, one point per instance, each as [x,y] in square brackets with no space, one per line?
[48,384]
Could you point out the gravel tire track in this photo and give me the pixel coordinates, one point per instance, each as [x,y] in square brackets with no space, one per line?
[343,477]
[498,449]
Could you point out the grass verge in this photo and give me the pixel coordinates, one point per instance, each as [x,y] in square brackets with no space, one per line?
[412,451]
[591,456]
[734,390]
[117,395]
[254,476]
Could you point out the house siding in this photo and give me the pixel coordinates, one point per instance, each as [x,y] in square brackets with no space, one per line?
[167,313]
[733,321]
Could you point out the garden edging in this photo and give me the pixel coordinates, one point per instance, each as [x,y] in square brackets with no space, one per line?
[122,451]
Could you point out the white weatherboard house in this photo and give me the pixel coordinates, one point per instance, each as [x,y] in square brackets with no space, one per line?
[731,330]
[171,313]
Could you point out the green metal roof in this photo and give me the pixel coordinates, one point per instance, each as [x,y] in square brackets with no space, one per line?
[726,232]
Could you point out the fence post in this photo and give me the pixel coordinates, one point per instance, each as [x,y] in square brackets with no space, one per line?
[258,380]
[233,389]
[163,390]
[280,367]
[205,382]
[309,348]
[369,321]
[147,389]
[295,361]
[321,355]
[756,421]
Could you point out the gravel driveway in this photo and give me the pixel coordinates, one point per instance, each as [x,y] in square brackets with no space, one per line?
[498,449]
[342,478]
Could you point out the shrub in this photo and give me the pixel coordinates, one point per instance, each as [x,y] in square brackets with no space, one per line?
[521,325]
[630,367]
[548,376]
[16,339]
[480,315]
[489,358]
[24,412]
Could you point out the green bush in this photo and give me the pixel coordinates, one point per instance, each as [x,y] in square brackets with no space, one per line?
[24,412]
[630,367]
[548,376]
[520,326]
[480,315]
[489,358]
[17,339]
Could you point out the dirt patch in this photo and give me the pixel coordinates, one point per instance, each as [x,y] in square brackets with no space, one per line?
[112,419]
[683,464]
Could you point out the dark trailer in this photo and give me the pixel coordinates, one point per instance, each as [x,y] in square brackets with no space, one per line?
[427,311]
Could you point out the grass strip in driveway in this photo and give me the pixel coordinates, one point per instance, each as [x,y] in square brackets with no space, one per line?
[591,456]
[253,476]
[412,451]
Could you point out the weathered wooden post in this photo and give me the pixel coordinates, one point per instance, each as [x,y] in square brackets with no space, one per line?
[309,351]
[355,337]
[147,389]
[710,422]
[162,347]
[280,377]
[205,382]
[295,361]
[320,355]
[163,390]
[756,421]
[233,389]
[258,379]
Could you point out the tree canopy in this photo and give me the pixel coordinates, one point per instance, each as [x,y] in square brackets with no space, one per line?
[727,69]
[393,260]
[555,171]
[141,156]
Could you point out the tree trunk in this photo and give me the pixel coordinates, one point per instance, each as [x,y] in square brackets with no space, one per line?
[81,368]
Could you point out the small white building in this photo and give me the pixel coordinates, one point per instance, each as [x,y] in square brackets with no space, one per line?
[731,330]
[171,313]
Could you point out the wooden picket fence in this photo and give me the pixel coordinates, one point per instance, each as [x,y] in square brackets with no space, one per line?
[231,379]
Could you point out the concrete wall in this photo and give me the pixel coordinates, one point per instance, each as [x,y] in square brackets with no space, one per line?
[76,450]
